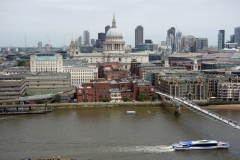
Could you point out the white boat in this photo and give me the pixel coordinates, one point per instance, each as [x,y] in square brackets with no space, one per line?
[131,112]
[200,144]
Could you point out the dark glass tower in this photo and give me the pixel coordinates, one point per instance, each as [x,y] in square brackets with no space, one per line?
[138,35]
[221,39]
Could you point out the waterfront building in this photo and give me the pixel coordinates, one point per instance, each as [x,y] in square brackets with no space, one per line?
[97,91]
[237,36]
[40,46]
[12,87]
[45,83]
[221,39]
[138,35]
[194,88]
[86,38]
[229,91]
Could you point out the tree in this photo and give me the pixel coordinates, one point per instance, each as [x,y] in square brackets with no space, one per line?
[134,60]
[56,98]
[21,63]
[141,96]
[40,101]
[155,96]
[105,100]
[125,99]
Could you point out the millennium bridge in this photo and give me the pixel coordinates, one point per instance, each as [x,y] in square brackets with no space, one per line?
[178,101]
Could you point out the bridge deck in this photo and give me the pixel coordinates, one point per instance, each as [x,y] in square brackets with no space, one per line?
[199,109]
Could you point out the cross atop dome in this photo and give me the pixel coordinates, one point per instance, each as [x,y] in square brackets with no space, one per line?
[114,22]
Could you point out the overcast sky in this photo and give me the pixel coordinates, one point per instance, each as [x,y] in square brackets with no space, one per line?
[63,19]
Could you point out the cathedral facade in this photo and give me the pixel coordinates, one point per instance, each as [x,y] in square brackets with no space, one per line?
[113,50]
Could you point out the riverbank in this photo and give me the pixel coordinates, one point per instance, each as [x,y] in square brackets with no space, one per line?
[225,106]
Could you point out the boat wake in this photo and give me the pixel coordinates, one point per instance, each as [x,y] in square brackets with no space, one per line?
[147,149]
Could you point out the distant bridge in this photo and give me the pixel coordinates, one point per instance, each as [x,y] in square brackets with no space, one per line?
[192,106]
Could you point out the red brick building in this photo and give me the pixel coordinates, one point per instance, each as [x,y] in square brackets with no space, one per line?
[96,91]
[111,71]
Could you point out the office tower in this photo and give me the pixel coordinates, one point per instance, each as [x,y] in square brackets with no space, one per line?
[107,28]
[163,43]
[100,40]
[102,36]
[169,41]
[80,40]
[86,38]
[47,48]
[171,31]
[232,38]
[138,35]
[237,36]
[188,43]
[93,42]
[221,39]
[39,46]
[201,43]
[178,41]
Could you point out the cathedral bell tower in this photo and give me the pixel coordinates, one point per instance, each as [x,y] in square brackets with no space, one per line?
[74,51]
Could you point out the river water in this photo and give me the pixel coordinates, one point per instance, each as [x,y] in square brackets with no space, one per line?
[109,134]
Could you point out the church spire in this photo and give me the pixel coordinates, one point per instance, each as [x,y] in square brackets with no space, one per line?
[114,22]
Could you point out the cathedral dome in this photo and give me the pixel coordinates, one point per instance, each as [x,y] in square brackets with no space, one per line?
[113,33]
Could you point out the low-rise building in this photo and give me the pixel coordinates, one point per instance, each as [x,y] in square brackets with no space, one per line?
[229,91]
[12,87]
[45,83]
[97,91]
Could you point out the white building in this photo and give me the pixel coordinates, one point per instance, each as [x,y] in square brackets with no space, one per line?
[81,74]
[78,68]
[46,63]
[113,50]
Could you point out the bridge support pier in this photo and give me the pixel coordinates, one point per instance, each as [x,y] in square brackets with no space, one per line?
[177,110]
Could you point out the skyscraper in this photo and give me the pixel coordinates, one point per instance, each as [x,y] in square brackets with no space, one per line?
[178,41]
[86,38]
[107,28]
[201,43]
[80,40]
[237,36]
[221,39]
[39,46]
[138,35]
[171,31]
[232,38]
[93,42]
[47,48]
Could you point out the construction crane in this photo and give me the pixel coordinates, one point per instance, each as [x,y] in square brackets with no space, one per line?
[49,43]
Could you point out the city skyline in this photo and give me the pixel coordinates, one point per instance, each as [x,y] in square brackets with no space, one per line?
[63,20]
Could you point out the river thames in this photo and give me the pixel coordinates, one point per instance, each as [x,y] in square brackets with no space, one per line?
[109,134]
